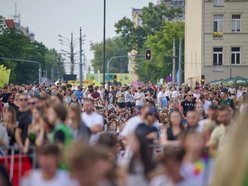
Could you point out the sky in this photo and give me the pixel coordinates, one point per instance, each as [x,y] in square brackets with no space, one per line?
[49,18]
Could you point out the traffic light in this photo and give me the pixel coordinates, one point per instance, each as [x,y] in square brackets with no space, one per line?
[203,79]
[148,54]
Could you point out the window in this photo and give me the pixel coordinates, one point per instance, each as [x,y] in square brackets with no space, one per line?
[218,2]
[235,55]
[235,23]
[218,23]
[217,56]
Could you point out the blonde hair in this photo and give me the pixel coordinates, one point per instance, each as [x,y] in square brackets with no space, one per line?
[232,162]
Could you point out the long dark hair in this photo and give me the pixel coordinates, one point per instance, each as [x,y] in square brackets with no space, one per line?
[146,152]
[169,116]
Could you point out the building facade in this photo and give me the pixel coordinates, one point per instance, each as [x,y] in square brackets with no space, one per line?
[216,39]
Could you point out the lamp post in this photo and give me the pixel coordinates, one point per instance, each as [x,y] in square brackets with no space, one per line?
[71,44]
[104,40]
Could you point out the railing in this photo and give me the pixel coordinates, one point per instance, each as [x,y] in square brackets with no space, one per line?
[17,163]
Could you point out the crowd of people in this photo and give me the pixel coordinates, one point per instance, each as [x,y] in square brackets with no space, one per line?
[124,135]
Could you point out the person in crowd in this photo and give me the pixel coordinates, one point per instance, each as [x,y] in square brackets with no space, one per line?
[61,134]
[141,163]
[200,110]
[189,103]
[206,103]
[82,160]
[225,100]
[192,119]
[34,129]
[92,120]
[207,125]
[48,173]
[24,118]
[172,161]
[11,103]
[172,134]
[128,98]
[120,96]
[67,97]
[139,99]
[9,121]
[244,104]
[74,121]
[149,99]
[161,99]
[220,134]
[226,162]
[78,93]
[195,161]
[95,95]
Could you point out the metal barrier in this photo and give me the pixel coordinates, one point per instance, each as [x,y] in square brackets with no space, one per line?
[17,163]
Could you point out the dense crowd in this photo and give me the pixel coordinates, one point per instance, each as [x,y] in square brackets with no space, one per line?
[124,135]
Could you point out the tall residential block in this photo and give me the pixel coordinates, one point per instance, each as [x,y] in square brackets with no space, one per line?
[216,39]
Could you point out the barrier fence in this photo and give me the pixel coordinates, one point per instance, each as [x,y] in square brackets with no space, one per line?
[17,163]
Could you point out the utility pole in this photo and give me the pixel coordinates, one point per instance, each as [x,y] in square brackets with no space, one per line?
[72,55]
[180,63]
[104,41]
[81,61]
[174,62]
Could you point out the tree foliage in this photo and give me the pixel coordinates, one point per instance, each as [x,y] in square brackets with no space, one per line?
[161,45]
[156,33]
[114,47]
[14,44]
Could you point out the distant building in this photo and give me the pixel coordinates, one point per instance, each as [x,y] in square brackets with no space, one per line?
[216,39]
[136,17]
[15,23]
[173,3]
[176,4]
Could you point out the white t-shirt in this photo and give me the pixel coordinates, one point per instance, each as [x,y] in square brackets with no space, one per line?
[140,99]
[160,97]
[90,121]
[206,105]
[167,93]
[61,178]
[131,125]
[175,94]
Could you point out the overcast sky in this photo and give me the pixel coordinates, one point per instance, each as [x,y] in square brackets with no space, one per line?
[48,18]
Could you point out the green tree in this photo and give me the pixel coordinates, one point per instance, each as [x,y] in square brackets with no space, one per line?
[114,47]
[153,16]
[14,44]
[161,45]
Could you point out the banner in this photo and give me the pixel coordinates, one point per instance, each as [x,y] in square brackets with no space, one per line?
[4,75]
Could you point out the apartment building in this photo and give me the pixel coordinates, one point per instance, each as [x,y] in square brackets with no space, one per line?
[216,39]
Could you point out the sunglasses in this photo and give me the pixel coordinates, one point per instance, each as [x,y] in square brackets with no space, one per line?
[23,99]
[31,103]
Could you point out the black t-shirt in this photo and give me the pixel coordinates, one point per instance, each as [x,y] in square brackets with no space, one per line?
[147,129]
[59,137]
[25,119]
[5,97]
[188,105]
[171,136]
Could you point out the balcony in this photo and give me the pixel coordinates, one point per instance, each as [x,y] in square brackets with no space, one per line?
[218,35]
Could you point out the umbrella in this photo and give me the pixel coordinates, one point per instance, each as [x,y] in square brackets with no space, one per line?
[235,80]
[216,82]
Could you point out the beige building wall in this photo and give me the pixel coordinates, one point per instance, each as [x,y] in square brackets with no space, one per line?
[230,39]
[193,40]
[208,42]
